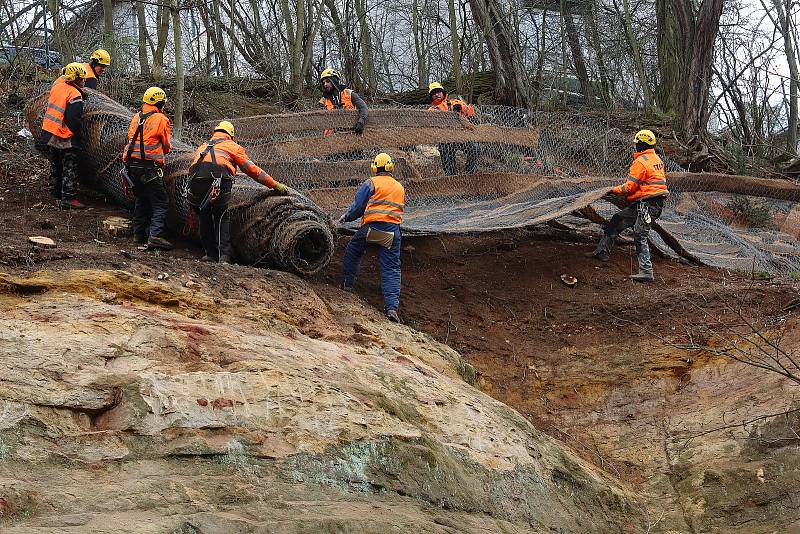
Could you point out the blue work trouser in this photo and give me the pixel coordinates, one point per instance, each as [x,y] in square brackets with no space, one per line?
[389,261]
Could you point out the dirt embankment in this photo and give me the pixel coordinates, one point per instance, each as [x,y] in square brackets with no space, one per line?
[599,366]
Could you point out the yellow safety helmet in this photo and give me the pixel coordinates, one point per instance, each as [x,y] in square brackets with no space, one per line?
[434,86]
[73,71]
[154,95]
[382,163]
[101,56]
[645,136]
[224,126]
[330,73]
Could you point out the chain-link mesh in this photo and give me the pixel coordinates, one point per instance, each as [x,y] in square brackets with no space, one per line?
[505,168]
[286,232]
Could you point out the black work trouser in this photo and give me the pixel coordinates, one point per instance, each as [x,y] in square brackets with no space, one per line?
[214,219]
[64,173]
[152,203]
[447,151]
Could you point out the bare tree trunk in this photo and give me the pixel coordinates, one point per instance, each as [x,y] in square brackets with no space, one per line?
[179,74]
[700,67]
[633,43]
[577,52]
[686,55]
[510,87]
[419,45]
[109,40]
[294,40]
[345,50]
[64,46]
[781,19]
[141,33]
[308,49]
[455,49]
[219,40]
[594,39]
[162,16]
[368,69]
[537,84]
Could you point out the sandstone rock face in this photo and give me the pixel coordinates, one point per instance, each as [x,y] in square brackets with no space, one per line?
[134,406]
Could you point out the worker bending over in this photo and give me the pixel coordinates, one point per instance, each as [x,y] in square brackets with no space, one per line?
[447,151]
[148,142]
[379,202]
[98,62]
[336,95]
[646,192]
[61,131]
[211,178]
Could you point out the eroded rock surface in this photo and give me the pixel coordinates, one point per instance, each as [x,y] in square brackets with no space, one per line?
[132,406]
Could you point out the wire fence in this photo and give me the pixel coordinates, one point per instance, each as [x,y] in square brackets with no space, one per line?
[504,168]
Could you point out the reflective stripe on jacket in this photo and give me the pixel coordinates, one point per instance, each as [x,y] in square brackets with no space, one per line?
[386,203]
[467,110]
[647,177]
[229,156]
[156,132]
[61,95]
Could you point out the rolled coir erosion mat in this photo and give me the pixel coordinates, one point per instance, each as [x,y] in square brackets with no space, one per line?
[289,233]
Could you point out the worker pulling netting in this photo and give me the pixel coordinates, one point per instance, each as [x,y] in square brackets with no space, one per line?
[502,168]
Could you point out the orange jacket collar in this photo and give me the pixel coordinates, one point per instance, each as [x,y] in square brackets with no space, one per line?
[648,151]
[147,108]
[221,135]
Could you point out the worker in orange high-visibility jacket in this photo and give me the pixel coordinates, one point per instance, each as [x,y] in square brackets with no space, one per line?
[211,179]
[148,142]
[61,131]
[99,61]
[336,95]
[646,191]
[379,202]
[441,102]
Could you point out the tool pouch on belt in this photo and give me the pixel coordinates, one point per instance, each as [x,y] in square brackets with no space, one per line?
[380,238]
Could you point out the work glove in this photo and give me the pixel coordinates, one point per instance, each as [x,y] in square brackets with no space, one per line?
[281,189]
[358,127]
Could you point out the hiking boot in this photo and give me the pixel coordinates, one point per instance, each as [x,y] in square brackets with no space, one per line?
[159,242]
[642,276]
[73,204]
[224,259]
[392,316]
[599,256]
[209,259]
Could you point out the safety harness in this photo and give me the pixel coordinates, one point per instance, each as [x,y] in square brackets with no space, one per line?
[128,186]
[140,135]
[216,183]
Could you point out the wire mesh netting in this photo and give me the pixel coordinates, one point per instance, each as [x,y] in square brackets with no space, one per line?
[287,232]
[505,168]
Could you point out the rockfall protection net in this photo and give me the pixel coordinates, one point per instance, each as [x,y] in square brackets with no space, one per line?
[286,232]
[530,167]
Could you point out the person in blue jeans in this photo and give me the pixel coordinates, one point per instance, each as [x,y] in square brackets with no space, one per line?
[379,202]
